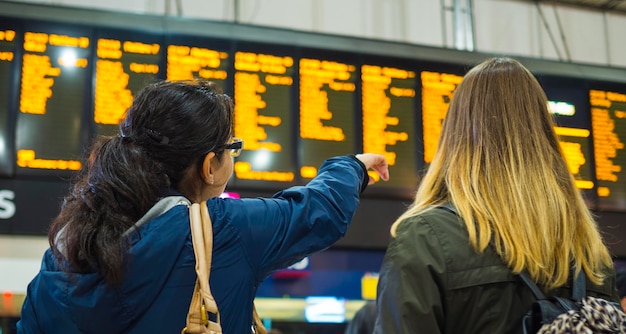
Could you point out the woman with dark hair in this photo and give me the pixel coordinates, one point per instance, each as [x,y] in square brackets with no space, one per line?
[121,258]
[500,167]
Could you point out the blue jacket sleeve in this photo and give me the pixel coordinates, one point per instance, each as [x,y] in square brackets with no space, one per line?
[279,231]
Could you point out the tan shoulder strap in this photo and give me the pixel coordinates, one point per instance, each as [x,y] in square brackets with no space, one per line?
[257,323]
[202,301]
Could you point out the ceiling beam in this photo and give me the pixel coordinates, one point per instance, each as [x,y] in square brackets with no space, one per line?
[615,6]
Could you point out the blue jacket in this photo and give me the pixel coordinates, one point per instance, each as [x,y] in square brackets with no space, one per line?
[252,238]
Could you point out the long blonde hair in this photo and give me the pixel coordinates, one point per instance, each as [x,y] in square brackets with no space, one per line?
[499,162]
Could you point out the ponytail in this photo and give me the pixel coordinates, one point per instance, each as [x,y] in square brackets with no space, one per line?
[118,183]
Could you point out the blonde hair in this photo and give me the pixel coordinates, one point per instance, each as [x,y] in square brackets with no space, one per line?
[500,164]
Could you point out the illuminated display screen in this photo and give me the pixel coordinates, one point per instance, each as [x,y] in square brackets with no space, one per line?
[8,48]
[388,107]
[125,62]
[189,58]
[54,76]
[263,95]
[570,107]
[437,90]
[327,97]
[608,118]
[60,85]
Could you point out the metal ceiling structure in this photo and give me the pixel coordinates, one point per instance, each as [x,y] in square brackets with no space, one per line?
[601,5]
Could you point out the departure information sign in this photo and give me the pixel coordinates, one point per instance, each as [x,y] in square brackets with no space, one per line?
[263,91]
[8,48]
[54,76]
[327,99]
[437,91]
[62,84]
[575,143]
[388,107]
[608,118]
[568,103]
[125,63]
[189,58]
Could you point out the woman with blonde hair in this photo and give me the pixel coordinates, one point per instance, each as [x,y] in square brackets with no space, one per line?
[497,199]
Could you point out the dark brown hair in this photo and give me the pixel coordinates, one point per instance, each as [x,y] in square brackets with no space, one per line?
[169,128]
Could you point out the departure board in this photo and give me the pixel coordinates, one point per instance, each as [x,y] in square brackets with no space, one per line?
[327,98]
[294,105]
[190,57]
[608,119]
[264,99]
[8,57]
[126,61]
[54,75]
[438,84]
[389,112]
[567,101]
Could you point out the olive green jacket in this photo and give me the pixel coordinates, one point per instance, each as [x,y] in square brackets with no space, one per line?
[432,281]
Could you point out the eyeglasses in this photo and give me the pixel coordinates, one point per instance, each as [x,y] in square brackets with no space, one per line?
[235,146]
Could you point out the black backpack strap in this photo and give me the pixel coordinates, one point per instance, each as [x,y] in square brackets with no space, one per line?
[532,286]
[579,290]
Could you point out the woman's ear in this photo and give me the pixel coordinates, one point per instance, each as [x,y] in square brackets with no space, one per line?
[206,173]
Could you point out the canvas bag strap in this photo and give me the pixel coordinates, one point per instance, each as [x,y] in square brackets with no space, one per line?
[202,301]
[257,324]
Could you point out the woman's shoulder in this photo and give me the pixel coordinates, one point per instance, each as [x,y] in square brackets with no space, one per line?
[437,221]
[444,236]
[435,231]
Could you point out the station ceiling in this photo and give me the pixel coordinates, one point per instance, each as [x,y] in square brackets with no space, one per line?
[602,5]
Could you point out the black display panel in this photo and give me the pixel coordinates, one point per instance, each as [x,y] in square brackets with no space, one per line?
[54,93]
[327,108]
[608,119]
[10,38]
[125,62]
[437,84]
[294,106]
[264,95]
[389,92]
[28,206]
[191,57]
[567,101]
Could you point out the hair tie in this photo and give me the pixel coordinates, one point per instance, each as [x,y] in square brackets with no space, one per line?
[125,138]
[157,136]
[123,135]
